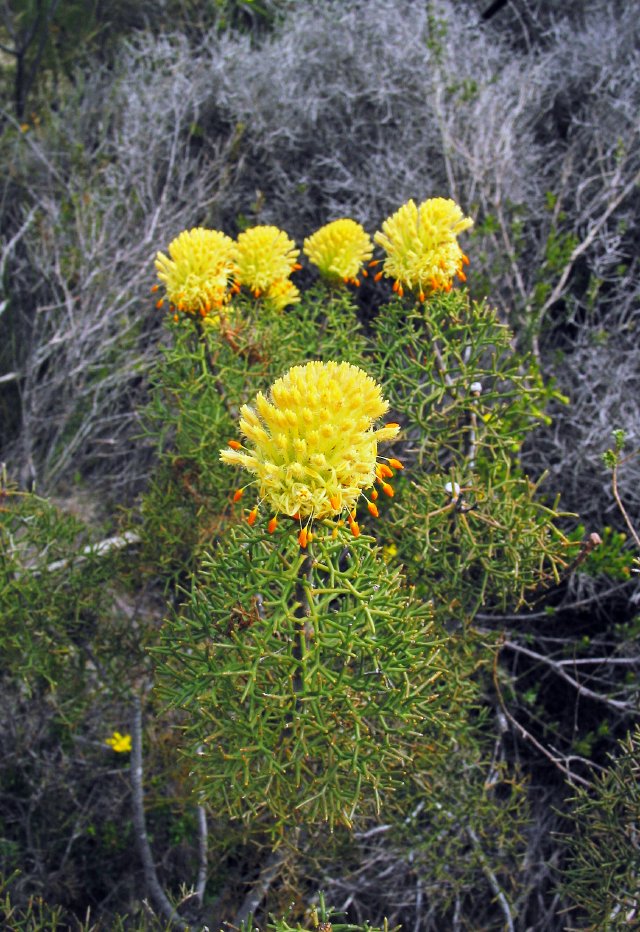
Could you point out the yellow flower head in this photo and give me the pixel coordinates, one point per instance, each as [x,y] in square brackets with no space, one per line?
[281,294]
[311,445]
[197,272]
[339,249]
[264,255]
[119,743]
[422,247]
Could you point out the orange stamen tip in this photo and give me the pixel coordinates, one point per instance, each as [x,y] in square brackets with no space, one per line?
[272,525]
[422,296]
[256,292]
[385,472]
[346,279]
[235,445]
[175,318]
[400,291]
[296,517]
[159,303]
[395,464]
[355,528]
[237,495]
[203,312]
[154,288]
[377,276]
[374,494]
[386,488]
[334,501]
[461,275]
[251,517]
[364,273]
[465,259]
[447,287]
[356,282]
[392,425]
[373,510]
[303,538]
[396,287]
[296,267]
[373,263]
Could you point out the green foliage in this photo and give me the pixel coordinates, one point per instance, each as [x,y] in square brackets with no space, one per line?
[311,681]
[466,402]
[54,600]
[602,874]
[322,918]
[612,557]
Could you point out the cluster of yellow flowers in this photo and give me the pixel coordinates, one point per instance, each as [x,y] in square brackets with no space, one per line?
[311,447]
[205,268]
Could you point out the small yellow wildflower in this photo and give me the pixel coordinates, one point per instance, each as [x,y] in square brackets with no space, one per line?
[389,552]
[422,247]
[119,743]
[265,256]
[339,250]
[311,445]
[197,272]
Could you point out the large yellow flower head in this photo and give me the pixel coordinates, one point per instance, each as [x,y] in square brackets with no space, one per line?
[339,250]
[265,257]
[197,272]
[422,247]
[311,445]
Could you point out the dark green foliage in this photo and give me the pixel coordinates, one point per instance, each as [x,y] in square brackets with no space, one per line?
[466,402]
[602,874]
[306,716]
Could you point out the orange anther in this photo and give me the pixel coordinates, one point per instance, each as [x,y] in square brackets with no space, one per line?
[237,495]
[356,282]
[400,291]
[303,537]
[395,464]
[296,267]
[392,425]
[396,286]
[374,494]
[386,488]
[159,303]
[373,263]
[377,276]
[272,525]
[256,292]
[364,273]
[385,472]
[465,259]
[235,445]
[355,528]
[154,288]
[461,275]
[251,518]
[373,510]
[296,517]
[334,501]
[175,318]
